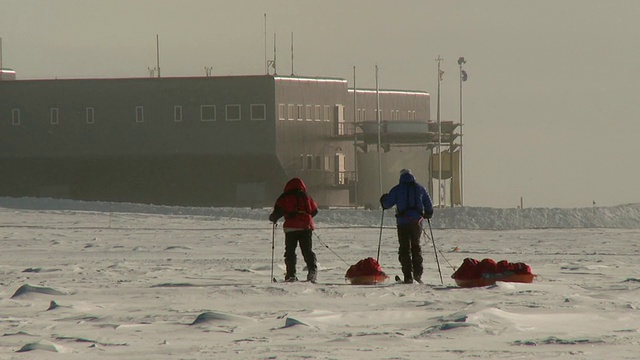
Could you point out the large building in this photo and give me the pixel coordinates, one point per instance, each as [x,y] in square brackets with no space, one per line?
[215,141]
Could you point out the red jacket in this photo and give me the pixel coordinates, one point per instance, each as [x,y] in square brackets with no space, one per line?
[296,206]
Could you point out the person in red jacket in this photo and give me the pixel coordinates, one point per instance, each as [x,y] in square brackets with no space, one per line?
[298,209]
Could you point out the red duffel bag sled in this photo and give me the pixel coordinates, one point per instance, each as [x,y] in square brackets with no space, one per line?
[366,272]
[474,273]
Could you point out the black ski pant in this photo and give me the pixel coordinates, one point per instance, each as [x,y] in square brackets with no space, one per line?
[410,253]
[291,241]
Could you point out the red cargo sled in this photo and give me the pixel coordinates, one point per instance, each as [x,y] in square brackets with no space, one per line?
[366,272]
[474,273]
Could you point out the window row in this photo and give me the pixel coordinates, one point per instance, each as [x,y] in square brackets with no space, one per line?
[315,162]
[232,112]
[326,163]
[395,115]
[304,112]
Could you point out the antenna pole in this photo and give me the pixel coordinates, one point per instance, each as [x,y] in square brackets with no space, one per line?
[461,61]
[158,54]
[292,53]
[0,58]
[355,140]
[440,73]
[275,70]
[379,126]
[266,64]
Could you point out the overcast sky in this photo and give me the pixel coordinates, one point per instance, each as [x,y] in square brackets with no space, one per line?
[550,108]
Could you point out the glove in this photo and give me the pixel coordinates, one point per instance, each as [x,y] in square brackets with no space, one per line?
[383,198]
[427,215]
[273,218]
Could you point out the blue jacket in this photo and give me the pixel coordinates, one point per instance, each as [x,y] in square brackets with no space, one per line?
[410,198]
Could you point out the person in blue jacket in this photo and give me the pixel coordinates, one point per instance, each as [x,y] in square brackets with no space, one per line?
[413,204]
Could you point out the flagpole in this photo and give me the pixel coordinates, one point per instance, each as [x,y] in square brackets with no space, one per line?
[440,73]
[461,61]
[266,63]
[463,78]
[379,125]
[355,140]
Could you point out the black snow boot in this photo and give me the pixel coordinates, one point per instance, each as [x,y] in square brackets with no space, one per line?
[312,276]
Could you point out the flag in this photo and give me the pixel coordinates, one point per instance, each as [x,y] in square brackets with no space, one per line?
[441,74]
[464,75]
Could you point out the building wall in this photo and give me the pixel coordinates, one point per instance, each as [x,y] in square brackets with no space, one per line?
[394,105]
[308,112]
[224,141]
[135,117]
[123,140]
[7,74]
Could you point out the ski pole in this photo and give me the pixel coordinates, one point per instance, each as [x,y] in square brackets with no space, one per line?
[435,251]
[440,251]
[380,238]
[273,247]
[327,246]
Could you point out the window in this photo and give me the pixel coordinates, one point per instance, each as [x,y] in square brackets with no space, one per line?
[53,116]
[340,178]
[327,164]
[308,113]
[309,162]
[317,113]
[364,115]
[281,114]
[290,112]
[139,114]
[300,114]
[327,113]
[15,116]
[207,113]
[89,115]
[301,162]
[177,113]
[318,162]
[233,112]
[259,112]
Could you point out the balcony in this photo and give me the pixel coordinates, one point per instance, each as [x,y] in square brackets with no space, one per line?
[398,133]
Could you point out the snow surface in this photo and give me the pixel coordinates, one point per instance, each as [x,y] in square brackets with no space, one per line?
[478,218]
[91,280]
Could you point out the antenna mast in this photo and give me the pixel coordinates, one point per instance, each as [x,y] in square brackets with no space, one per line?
[355,139]
[440,73]
[158,55]
[275,70]
[266,63]
[292,53]
[379,126]
[463,78]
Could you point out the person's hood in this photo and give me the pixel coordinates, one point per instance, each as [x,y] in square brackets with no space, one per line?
[295,184]
[407,178]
